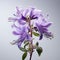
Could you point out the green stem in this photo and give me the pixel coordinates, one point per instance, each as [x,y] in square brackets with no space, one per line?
[31,55]
[31,43]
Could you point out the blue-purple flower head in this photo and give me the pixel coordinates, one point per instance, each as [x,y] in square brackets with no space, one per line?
[22,32]
[23,15]
[38,23]
[42,28]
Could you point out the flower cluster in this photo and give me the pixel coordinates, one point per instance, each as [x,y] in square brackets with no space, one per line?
[22,17]
[27,22]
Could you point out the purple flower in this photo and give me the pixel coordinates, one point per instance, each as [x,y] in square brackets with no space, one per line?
[22,29]
[23,26]
[42,27]
[22,32]
[22,15]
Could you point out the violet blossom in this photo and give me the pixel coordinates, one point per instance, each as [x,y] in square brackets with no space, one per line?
[22,32]
[23,15]
[42,27]
[26,23]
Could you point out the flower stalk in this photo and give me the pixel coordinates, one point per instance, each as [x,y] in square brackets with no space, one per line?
[31,42]
[27,23]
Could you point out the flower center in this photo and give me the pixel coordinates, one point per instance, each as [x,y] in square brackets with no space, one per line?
[28,17]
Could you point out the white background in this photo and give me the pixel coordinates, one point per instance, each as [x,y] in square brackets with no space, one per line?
[51,48]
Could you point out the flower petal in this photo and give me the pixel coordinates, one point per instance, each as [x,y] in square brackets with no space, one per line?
[41,36]
[19,44]
[12,19]
[15,33]
[48,24]
[25,12]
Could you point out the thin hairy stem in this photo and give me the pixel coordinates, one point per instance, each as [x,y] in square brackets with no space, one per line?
[31,42]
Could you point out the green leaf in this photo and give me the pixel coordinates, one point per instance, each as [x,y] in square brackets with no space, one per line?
[37,43]
[23,49]
[24,56]
[26,44]
[36,34]
[25,41]
[39,50]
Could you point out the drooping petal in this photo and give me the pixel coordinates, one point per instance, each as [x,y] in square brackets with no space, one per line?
[41,36]
[36,14]
[48,24]
[31,13]
[48,35]
[28,37]
[44,22]
[43,29]
[19,44]
[25,12]
[19,12]
[15,33]
[12,19]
